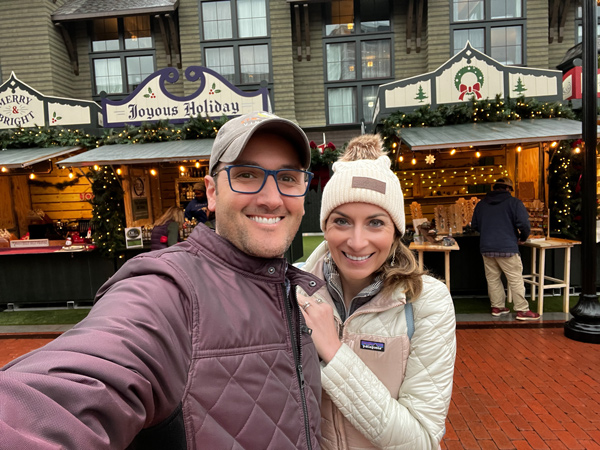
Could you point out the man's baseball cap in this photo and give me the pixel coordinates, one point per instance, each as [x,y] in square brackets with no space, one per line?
[235,134]
[505,182]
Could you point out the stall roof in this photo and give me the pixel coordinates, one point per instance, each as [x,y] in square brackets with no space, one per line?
[16,158]
[92,9]
[491,133]
[142,153]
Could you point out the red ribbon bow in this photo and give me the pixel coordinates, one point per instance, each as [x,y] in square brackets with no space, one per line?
[464,89]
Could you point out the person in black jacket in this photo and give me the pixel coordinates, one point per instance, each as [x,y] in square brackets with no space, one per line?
[503,222]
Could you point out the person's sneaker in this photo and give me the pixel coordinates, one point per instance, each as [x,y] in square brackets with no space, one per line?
[527,315]
[500,311]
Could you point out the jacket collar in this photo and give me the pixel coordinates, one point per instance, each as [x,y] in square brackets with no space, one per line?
[210,244]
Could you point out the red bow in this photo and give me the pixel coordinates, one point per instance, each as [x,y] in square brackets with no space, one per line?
[469,89]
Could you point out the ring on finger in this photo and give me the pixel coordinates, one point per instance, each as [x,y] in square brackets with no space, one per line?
[305,306]
[318,300]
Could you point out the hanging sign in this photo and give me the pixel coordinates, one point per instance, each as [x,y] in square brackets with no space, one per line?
[21,106]
[151,102]
[468,75]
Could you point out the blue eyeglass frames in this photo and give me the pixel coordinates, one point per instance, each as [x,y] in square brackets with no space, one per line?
[247,179]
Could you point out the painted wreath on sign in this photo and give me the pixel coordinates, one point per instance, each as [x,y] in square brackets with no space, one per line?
[469,89]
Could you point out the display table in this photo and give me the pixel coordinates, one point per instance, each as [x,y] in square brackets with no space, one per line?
[537,278]
[429,247]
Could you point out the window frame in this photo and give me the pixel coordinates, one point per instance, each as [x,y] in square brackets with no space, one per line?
[236,42]
[487,25]
[122,54]
[358,83]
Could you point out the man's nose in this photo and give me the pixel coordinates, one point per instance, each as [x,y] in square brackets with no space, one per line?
[269,194]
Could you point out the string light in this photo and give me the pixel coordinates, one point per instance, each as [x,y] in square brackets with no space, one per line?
[153,172]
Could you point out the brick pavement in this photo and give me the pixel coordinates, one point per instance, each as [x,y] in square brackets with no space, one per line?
[514,388]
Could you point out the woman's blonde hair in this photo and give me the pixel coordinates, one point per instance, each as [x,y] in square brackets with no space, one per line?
[400,269]
[173,213]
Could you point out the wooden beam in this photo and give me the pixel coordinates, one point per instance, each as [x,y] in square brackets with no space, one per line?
[420,7]
[174,40]
[563,17]
[165,38]
[307,31]
[70,46]
[298,32]
[553,20]
[409,24]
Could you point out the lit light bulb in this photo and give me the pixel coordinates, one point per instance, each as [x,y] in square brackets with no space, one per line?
[119,171]
[453,151]
[153,172]
[519,148]
[414,161]
[32,176]
[181,169]
[400,158]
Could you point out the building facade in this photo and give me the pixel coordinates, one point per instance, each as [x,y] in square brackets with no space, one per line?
[321,61]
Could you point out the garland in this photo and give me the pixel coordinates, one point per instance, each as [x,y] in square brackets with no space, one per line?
[60,186]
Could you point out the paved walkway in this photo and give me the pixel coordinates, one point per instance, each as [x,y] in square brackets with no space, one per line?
[516,385]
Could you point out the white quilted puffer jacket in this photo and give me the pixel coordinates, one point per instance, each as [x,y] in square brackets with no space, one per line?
[381,390]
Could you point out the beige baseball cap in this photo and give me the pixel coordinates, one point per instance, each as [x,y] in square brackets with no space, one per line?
[235,134]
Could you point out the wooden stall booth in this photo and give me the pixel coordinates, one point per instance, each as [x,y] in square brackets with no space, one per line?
[154,176]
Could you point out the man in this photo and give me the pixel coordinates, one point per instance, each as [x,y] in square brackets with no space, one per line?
[503,222]
[200,345]
[197,208]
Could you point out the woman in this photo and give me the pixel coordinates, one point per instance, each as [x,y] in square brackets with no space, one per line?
[382,388]
[166,229]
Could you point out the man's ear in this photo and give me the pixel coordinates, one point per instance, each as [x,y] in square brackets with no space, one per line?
[211,192]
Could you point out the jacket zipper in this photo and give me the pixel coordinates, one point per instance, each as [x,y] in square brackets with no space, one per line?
[297,352]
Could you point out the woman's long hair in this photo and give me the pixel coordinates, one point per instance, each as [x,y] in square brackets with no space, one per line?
[400,269]
[173,213]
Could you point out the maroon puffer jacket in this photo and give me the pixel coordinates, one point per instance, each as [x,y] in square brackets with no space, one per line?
[196,346]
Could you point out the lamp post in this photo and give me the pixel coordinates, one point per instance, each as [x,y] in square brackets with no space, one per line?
[585,324]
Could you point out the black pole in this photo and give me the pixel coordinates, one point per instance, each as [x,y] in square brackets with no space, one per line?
[585,324]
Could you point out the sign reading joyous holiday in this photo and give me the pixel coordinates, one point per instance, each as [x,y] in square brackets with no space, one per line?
[23,106]
[215,97]
[468,75]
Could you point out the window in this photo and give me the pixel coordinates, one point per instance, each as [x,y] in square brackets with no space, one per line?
[358,57]
[235,40]
[122,54]
[579,23]
[494,27]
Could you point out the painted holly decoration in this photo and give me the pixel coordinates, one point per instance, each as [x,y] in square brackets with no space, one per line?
[150,94]
[55,118]
[213,90]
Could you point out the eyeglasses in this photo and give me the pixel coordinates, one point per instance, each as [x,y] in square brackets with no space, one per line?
[251,179]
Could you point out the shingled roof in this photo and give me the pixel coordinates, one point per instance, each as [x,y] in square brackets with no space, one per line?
[92,9]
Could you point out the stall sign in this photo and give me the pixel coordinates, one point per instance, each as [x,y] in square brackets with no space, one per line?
[133,237]
[86,196]
[215,97]
[572,83]
[468,75]
[23,106]
[139,198]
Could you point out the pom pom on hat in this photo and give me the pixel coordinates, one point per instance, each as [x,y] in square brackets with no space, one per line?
[363,175]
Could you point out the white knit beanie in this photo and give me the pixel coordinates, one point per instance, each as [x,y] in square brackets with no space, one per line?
[366,181]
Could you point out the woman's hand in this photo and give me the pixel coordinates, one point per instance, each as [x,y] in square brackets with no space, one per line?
[319,317]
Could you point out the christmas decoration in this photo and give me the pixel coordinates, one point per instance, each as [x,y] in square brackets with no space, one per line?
[471,89]
[421,94]
[108,221]
[429,159]
[60,186]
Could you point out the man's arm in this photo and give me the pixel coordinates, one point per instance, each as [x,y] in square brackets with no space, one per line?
[121,369]
[522,221]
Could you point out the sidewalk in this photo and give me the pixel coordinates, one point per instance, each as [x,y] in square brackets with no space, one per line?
[517,385]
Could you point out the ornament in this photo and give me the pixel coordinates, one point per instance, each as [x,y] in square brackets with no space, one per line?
[429,159]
